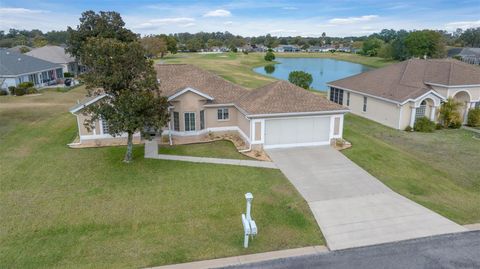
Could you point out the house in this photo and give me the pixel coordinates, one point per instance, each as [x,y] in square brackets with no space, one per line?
[279,114]
[399,94]
[16,68]
[20,49]
[470,55]
[57,54]
[320,48]
[287,48]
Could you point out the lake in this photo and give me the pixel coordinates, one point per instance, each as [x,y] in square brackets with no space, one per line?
[323,70]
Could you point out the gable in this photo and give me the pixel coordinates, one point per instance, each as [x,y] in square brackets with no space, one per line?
[189,90]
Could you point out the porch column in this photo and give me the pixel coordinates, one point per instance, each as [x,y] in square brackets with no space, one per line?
[432,113]
[412,116]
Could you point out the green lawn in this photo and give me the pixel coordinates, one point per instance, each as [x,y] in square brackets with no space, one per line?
[85,208]
[237,67]
[218,149]
[439,170]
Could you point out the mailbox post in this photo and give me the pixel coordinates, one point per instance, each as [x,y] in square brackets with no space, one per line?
[249,225]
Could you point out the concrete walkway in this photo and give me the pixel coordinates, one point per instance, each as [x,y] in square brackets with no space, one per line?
[245,259]
[471,129]
[151,152]
[351,206]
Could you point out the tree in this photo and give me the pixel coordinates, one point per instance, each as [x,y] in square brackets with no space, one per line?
[449,115]
[119,70]
[105,24]
[154,46]
[301,79]
[399,50]
[386,51]
[471,37]
[40,41]
[371,46]
[269,69]
[425,42]
[171,43]
[269,56]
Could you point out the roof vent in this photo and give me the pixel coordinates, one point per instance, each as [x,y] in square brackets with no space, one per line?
[7,52]
[19,59]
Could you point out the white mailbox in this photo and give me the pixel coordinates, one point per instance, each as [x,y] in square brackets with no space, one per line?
[249,225]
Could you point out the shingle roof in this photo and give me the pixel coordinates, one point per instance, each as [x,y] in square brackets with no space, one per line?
[284,97]
[54,54]
[177,77]
[14,63]
[410,79]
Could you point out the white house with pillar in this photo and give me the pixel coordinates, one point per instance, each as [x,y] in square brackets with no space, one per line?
[399,94]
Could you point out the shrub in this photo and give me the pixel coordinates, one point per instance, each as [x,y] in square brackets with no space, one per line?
[67,75]
[408,129]
[455,124]
[269,56]
[3,92]
[438,126]
[31,90]
[11,89]
[20,91]
[301,79]
[474,117]
[449,112]
[25,85]
[245,52]
[424,125]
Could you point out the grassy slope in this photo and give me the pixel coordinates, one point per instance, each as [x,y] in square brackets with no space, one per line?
[217,149]
[84,208]
[438,170]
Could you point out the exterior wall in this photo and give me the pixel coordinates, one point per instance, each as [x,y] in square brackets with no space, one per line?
[243,124]
[82,130]
[380,111]
[405,113]
[188,102]
[212,120]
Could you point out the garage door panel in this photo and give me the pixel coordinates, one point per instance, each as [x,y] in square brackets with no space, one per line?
[297,130]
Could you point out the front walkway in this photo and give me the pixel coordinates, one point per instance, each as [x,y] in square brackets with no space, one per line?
[351,206]
[151,152]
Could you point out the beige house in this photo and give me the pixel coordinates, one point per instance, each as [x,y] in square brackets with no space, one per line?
[399,94]
[279,114]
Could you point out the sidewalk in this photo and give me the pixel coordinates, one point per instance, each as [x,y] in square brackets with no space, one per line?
[471,129]
[223,262]
[151,152]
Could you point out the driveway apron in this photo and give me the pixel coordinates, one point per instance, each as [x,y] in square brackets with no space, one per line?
[352,207]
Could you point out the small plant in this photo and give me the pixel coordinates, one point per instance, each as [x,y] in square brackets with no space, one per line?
[3,92]
[67,75]
[245,52]
[269,56]
[473,118]
[339,142]
[455,124]
[20,91]
[31,90]
[424,125]
[408,129]
[12,89]
[438,126]
[449,113]
[25,85]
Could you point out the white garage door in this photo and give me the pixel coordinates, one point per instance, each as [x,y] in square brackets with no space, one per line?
[297,131]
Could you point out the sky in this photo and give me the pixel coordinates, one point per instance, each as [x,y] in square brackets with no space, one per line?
[250,17]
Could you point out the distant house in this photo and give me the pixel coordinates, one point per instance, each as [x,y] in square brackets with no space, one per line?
[320,48]
[399,94]
[16,68]
[20,48]
[470,55]
[57,54]
[259,48]
[287,48]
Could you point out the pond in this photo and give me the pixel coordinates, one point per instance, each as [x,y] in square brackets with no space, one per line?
[323,70]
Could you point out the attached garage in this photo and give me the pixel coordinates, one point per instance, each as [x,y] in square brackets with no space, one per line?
[286,132]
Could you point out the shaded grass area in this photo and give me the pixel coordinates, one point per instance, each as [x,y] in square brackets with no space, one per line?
[217,149]
[84,208]
[237,67]
[439,170]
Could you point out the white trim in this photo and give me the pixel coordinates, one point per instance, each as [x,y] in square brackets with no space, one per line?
[87,103]
[452,86]
[188,89]
[253,131]
[207,130]
[306,114]
[323,143]
[34,72]
[463,90]
[332,127]
[424,96]
[106,136]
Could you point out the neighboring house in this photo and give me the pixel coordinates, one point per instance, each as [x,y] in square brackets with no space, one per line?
[279,114]
[320,48]
[57,54]
[399,94]
[16,68]
[287,48]
[20,48]
[470,55]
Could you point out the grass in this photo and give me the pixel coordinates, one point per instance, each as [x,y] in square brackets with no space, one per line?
[439,170]
[237,67]
[218,149]
[84,208]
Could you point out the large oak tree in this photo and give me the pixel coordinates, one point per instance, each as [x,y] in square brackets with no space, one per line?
[119,70]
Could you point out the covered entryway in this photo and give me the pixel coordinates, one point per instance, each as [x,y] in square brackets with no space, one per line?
[463,98]
[290,132]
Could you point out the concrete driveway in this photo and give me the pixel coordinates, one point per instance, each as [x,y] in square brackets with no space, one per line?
[352,207]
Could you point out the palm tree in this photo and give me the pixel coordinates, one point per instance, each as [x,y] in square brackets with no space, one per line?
[449,112]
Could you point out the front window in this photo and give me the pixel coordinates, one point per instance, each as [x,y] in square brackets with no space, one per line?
[222,114]
[336,95]
[348,98]
[189,121]
[364,104]
[59,73]
[202,120]
[420,111]
[477,105]
[176,121]
[104,127]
